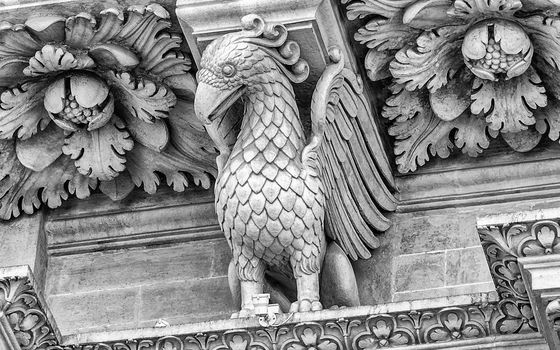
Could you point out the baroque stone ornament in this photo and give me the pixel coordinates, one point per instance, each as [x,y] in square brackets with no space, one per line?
[462,72]
[280,195]
[361,328]
[468,325]
[504,246]
[553,314]
[23,309]
[96,101]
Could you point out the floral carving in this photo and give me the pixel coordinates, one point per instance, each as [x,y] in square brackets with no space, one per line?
[85,96]
[383,333]
[517,317]
[28,320]
[504,245]
[311,337]
[463,72]
[553,314]
[454,324]
[20,304]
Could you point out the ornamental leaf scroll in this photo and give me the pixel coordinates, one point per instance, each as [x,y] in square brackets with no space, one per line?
[80,96]
[496,62]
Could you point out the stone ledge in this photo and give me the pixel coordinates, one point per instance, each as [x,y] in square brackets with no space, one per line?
[464,322]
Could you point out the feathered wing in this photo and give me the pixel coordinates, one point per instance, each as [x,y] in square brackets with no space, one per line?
[347,152]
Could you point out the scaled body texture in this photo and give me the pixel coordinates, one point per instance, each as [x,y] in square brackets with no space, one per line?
[281,193]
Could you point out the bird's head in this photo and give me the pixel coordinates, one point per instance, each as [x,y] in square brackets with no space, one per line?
[241,62]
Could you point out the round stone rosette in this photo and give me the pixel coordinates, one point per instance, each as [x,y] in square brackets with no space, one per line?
[89,101]
[462,72]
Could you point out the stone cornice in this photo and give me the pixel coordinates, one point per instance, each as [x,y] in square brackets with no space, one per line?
[98,223]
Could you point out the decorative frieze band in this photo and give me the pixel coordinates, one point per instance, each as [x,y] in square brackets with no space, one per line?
[389,326]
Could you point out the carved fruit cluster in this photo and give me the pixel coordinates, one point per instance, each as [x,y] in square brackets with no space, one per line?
[88,102]
[496,60]
[462,72]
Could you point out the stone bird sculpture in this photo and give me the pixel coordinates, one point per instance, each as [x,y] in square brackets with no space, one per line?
[282,196]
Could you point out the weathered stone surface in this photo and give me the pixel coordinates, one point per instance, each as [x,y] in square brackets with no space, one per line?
[186,301]
[420,271]
[435,230]
[466,266]
[136,267]
[95,310]
[184,282]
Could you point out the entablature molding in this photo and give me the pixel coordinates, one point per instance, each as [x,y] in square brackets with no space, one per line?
[460,322]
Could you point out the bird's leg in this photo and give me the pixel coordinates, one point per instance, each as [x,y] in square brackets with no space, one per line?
[251,277]
[308,293]
[248,289]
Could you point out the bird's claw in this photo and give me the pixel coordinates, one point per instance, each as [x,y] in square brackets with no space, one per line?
[306,305]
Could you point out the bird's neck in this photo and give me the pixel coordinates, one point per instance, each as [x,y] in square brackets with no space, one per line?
[271,115]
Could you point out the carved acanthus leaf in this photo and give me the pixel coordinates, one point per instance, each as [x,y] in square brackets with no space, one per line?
[473,8]
[548,119]
[53,59]
[404,104]
[144,164]
[545,35]
[385,8]
[432,61]
[418,135]
[143,98]
[22,112]
[472,134]
[508,105]
[23,189]
[497,57]
[384,34]
[377,64]
[100,153]
[154,135]
[111,80]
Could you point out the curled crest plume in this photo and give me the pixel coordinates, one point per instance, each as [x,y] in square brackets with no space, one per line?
[272,39]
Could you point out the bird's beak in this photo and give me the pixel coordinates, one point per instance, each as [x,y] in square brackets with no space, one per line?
[211,102]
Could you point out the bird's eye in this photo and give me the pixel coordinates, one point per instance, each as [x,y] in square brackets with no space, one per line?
[228,70]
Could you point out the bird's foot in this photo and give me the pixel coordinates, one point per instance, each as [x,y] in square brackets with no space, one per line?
[243,313]
[306,305]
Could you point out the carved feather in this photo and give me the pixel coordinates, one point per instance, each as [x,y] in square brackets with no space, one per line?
[349,156]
